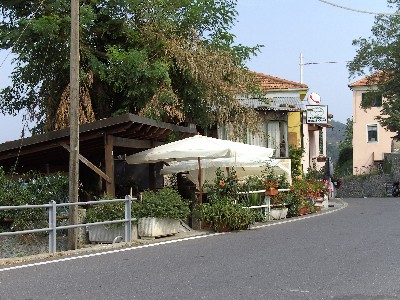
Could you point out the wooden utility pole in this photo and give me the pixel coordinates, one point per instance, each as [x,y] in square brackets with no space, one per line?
[74,124]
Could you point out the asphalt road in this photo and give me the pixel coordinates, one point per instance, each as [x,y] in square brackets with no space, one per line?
[353,253]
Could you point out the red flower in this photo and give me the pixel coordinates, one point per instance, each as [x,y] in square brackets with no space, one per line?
[222,183]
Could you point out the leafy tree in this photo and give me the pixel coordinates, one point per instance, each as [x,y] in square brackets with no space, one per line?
[169,60]
[347,142]
[345,160]
[296,154]
[334,136]
[379,55]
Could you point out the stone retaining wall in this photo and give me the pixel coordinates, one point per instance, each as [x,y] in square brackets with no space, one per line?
[372,185]
[394,160]
[28,244]
[32,244]
[364,186]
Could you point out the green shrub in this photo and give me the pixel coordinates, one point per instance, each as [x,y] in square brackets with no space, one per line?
[31,188]
[164,203]
[106,212]
[224,213]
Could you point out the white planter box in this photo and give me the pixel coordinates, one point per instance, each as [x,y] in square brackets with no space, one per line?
[325,202]
[278,214]
[156,227]
[284,212]
[107,234]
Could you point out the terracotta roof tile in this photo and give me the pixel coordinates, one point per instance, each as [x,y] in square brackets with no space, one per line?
[366,81]
[269,82]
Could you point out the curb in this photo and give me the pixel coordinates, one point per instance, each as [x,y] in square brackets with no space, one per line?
[326,211]
[120,247]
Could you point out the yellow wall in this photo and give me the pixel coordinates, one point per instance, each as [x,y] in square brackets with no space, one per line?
[294,128]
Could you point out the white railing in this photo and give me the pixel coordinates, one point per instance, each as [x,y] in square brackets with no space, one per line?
[266,204]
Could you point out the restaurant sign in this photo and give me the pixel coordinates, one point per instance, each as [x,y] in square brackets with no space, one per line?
[317,114]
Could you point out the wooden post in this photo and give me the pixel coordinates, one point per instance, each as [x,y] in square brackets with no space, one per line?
[109,160]
[74,124]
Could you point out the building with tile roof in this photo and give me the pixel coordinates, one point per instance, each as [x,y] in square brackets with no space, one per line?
[271,83]
[283,112]
[370,140]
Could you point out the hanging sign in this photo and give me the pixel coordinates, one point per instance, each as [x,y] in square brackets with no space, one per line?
[317,114]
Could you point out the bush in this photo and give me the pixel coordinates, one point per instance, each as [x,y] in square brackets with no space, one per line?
[106,212]
[31,188]
[164,203]
[223,185]
[224,213]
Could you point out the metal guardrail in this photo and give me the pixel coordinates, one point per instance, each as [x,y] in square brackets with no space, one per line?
[52,229]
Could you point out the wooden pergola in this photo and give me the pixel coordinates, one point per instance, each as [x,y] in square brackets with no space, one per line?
[99,143]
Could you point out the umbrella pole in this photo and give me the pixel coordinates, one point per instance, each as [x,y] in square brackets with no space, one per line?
[200,185]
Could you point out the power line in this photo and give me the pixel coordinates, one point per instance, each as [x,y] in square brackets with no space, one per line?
[22,32]
[359,10]
[302,64]
[318,63]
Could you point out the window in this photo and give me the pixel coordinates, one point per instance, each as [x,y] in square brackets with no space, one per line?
[225,132]
[372,133]
[258,139]
[371,99]
[277,138]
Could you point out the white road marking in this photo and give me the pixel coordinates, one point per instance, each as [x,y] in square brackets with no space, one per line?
[107,252]
[161,243]
[299,291]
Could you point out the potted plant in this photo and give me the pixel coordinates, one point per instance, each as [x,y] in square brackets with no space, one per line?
[271,188]
[107,212]
[225,210]
[160,212]
[278,210]
[224,215]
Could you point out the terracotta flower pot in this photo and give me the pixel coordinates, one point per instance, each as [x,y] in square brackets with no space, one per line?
[205,225]
[271,192]
[223,228]
[302,211]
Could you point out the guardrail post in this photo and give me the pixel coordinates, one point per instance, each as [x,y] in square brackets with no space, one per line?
[53,227]
[128,217]
[267,201]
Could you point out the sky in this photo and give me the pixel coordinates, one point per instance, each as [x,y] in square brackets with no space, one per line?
[323,33]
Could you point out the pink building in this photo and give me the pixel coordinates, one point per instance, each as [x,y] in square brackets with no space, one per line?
[370,139]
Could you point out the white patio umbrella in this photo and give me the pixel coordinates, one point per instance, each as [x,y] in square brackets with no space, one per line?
[196,148]
[244,166]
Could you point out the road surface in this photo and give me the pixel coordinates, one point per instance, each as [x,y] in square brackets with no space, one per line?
[352,253]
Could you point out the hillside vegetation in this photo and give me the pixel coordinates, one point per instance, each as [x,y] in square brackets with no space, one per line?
[334,136]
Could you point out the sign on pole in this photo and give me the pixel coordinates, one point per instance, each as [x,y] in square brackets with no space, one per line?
[317,114]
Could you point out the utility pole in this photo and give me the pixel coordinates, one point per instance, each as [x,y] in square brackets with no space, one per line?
[74,124]
[301,67]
